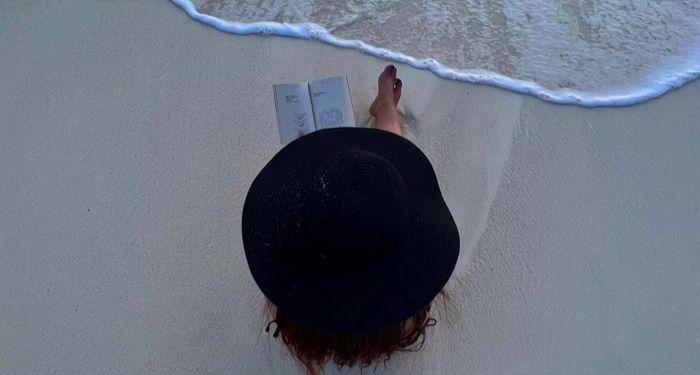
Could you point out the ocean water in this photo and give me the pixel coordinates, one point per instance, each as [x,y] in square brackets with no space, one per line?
[586,52]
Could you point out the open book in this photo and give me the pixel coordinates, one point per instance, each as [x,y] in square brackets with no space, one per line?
[305,107]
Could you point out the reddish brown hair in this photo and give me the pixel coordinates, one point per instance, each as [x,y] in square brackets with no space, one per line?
[312,349]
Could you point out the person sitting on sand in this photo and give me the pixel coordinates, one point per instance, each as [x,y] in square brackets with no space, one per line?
[347,235]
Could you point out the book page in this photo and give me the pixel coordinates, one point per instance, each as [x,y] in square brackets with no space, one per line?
[331,101]
[294,112]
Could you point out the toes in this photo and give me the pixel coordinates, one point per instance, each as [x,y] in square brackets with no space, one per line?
[385,72]
[387,80]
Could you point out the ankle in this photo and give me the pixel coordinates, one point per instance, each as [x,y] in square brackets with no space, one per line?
[383,107]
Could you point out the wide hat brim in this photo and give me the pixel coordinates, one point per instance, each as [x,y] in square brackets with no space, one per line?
[368,297]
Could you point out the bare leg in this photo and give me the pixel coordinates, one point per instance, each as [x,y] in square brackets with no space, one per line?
[384,105]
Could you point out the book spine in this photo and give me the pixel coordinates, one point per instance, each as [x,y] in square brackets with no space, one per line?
[311,100]
[347,86]
[277,112]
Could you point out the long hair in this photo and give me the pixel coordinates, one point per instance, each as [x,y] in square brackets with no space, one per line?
[313,349]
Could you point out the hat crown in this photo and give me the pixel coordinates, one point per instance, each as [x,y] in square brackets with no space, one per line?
[304,204]
[356,208]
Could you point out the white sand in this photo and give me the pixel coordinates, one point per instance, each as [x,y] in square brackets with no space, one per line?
[129,135]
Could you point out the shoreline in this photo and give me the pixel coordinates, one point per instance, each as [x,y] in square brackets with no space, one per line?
[657,84]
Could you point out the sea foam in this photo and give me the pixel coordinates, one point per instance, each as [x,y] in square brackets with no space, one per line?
[665,76]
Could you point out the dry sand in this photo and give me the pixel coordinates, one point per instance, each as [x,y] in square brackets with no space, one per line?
[129,135]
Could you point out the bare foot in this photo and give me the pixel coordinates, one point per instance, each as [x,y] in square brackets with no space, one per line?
[389,90]
[384,105]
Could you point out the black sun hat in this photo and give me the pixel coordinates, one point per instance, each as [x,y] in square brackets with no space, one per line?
[346,231]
